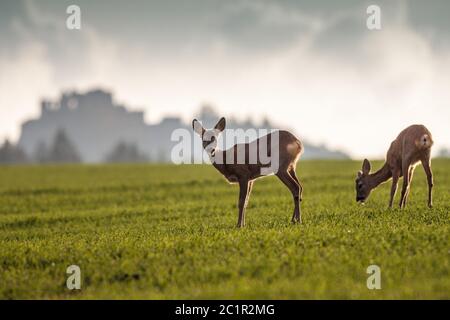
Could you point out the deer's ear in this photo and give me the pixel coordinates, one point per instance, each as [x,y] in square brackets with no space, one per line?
[359,174]
[366,166]
[220,125]
[198,128]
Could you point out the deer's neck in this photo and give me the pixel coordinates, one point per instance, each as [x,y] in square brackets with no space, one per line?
[380,176]
[220,165]
[221,168]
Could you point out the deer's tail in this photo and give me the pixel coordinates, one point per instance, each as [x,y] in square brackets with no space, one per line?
[424,142]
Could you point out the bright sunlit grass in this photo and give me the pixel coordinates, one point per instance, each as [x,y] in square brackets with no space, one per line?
[162,231]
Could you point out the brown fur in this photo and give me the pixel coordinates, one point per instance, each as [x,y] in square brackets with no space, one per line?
[413,145]
[290,149]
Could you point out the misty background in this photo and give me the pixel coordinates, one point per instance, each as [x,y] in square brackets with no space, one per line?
[312,67]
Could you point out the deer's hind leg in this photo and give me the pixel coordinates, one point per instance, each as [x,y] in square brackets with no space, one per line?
[294,187]
[294,176]
[426,163]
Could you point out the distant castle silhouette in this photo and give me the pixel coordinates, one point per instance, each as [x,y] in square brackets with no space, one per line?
[96,126]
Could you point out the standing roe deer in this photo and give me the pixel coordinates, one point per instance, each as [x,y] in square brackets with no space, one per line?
[412,145]
[289,149]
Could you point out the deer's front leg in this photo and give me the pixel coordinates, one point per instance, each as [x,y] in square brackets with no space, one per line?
[405,170]
[410,176]
[429,173]
[395,176]
[243,196]
[289,181]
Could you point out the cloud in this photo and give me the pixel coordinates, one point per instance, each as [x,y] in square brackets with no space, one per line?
[328,77]
[24,77]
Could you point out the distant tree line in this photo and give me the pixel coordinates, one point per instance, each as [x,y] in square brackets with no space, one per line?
[10,153]
[126,153]
[63,150]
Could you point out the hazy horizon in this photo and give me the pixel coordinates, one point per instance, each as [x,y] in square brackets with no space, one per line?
[312,67]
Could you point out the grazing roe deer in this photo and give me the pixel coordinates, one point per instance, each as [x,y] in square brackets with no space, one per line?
[413,145]
[289,149]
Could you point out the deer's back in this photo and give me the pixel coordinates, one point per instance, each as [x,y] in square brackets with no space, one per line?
[412,143]
[244,159]
[282,140]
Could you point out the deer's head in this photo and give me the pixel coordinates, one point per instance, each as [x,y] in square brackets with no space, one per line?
[362,185]
[209,136]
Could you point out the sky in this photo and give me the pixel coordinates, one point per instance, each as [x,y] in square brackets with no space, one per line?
[310,66]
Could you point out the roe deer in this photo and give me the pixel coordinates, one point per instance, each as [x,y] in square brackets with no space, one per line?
[412,145]
[288,149]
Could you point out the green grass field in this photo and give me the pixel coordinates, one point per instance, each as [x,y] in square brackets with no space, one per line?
[168,232]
